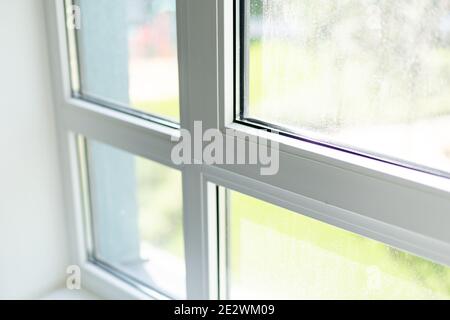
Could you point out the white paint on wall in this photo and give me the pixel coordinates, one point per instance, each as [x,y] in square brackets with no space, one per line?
[33,241]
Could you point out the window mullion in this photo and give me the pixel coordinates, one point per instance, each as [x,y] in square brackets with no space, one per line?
[198,66]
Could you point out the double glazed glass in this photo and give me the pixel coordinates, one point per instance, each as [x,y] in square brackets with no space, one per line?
[136,216]
[371,76]
[274,253]
[127,55]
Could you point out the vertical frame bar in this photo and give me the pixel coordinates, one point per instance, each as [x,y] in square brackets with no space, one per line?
[85,191]
[228,59]
[195,224]
[223,224]
[242,17]
[69,165]
[197,24]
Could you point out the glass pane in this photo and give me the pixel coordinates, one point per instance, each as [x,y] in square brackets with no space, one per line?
[277,254]
[368,75]
[137,218]
[127,52]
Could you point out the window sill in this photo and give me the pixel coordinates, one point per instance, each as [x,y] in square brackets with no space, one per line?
[66,294]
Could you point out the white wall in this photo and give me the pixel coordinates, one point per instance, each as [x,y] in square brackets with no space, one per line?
[33,242]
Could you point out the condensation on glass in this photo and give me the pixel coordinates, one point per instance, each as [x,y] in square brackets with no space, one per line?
[274,253]
[125,55]
[367,75]
[136,218]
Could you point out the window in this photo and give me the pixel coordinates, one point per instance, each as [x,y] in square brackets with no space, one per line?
[127,55]
[346,119]
[137,218]
[302,258]
[366,76]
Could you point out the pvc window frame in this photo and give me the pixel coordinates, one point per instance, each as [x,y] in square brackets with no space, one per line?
[401,207]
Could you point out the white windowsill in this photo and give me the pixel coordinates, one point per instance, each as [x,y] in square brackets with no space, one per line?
[66,294]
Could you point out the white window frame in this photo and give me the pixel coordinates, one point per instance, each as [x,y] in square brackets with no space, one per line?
[401,207]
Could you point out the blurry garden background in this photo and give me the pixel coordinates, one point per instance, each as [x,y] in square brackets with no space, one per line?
[371,75]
